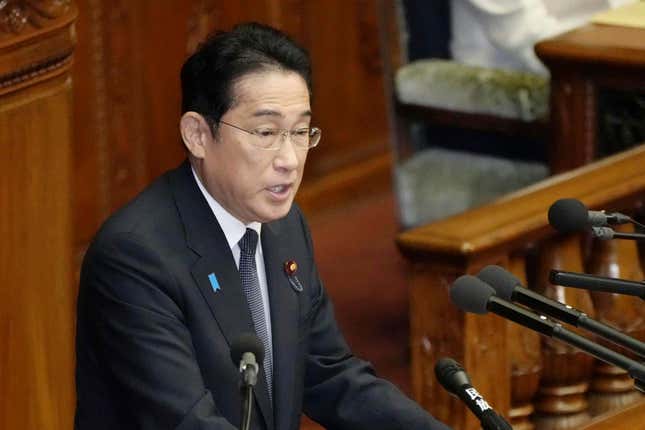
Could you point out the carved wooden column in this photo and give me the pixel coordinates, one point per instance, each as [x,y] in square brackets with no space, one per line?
[612,387]
[562,402]
[526,361]
[36,292]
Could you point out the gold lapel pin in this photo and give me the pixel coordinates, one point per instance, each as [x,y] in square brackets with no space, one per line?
[290,267]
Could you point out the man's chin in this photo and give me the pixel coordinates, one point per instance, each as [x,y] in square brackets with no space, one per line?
[275,213]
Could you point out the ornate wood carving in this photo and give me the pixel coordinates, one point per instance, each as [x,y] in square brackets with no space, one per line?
[562,402]
[36,40]
[20,16]
[526,361]
[612,387]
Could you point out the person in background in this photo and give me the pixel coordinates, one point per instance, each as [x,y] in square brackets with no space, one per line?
[502,33]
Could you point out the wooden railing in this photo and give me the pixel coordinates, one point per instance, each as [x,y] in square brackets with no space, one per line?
[536,382]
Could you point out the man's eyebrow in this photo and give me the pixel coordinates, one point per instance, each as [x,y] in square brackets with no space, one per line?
[270,112]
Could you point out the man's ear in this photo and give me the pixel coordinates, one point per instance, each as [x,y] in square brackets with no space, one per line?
[196,133]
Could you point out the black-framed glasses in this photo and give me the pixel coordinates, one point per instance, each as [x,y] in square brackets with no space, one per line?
[271,139]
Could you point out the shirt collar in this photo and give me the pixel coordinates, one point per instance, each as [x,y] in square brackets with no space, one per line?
[233,228]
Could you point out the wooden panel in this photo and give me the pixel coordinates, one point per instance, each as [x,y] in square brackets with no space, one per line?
[126,104]
[438,329]
[349,100]
[36,294]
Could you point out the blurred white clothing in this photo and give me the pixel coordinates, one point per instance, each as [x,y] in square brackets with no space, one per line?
[502,33]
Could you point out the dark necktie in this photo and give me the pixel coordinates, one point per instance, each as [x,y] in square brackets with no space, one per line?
[251,287]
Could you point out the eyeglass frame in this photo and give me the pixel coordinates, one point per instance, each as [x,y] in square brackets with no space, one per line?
[283,133]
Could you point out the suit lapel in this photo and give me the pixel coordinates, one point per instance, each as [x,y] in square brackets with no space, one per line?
[215,268]
[225,305]
[285,311]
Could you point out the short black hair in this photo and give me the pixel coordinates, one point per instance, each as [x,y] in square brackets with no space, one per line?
[208,75]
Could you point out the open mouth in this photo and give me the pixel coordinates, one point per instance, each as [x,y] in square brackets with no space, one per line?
[280,191]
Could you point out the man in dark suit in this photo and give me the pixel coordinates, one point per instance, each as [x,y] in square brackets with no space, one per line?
[215,249]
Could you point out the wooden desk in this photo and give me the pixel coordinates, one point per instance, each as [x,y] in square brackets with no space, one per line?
[581,62]
[630,417]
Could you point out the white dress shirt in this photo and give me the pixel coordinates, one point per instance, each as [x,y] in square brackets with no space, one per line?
[502,33]
[234,229]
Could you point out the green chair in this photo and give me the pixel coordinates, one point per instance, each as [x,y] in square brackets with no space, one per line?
[433,182]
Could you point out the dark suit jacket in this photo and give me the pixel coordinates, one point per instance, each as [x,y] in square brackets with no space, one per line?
[153,335]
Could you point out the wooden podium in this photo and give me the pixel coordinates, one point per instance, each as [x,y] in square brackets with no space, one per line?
[536,382]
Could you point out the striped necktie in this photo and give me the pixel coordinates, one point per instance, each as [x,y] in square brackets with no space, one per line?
[251,287]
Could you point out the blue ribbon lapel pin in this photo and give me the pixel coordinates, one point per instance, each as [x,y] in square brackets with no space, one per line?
[214,283]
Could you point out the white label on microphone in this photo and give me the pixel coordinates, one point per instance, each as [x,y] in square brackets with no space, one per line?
[472,393]
[483,404]
[479,400]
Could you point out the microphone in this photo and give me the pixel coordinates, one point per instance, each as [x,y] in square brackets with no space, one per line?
[508,287]
[473,295]
[572,216]
[247,351]
[454,379]
[607,233]
[597,283]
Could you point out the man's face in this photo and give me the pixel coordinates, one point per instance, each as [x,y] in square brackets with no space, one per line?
[251,183]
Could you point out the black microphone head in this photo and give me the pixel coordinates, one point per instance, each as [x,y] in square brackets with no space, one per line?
[569,216]
[247,342]
[502,281]
[471,294]
[451,375]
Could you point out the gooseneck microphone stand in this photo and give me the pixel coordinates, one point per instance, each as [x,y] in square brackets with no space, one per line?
[247,352]
[249,370]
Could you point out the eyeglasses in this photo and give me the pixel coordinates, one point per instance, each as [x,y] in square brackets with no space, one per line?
[271,139]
